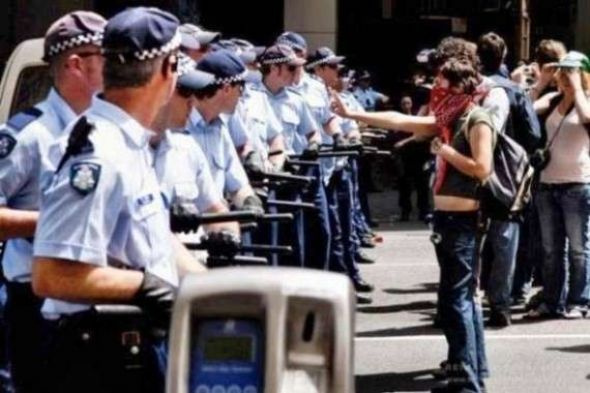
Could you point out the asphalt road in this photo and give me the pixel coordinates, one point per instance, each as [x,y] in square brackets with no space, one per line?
[397,348]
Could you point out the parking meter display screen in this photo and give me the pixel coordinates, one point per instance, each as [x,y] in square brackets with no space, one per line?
[227,356]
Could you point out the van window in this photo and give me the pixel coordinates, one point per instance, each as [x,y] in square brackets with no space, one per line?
[32,87]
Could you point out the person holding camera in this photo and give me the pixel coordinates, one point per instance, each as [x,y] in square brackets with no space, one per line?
[563,197]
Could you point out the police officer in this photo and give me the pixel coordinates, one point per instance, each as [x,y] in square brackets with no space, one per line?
[279,66]
[72,49]
[208,124]
[180,164]
[365,94]
[103,233]
[325,64]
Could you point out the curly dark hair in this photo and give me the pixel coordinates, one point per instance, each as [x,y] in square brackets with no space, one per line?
[456,47]
[460,72]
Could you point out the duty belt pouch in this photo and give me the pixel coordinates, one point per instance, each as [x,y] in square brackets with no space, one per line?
[124,330]
[108,348]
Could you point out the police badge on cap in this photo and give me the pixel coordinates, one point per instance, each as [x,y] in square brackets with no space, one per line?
[84,177]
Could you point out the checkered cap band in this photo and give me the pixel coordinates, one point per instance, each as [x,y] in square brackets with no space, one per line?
[73,42]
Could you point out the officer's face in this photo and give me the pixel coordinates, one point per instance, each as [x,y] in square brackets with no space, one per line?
[232,92]
[288,73]
[90,67]
[330,74]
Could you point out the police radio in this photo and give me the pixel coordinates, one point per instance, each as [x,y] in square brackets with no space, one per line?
[262,330]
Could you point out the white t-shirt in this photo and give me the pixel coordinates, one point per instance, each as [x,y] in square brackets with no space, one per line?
[570,151]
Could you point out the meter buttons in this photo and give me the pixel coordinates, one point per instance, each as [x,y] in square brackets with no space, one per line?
[202,389]
[250,389]
[234,389]
[218,389]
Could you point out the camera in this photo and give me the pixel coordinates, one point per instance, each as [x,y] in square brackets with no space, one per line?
[540,159]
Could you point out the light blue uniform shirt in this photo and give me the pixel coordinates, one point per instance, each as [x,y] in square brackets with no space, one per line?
[316,95]
[367,97]
[121,219]
[261,123]
[21,171]
[183,172]
[226,169]
[294,115]
[237,128]
[351,103]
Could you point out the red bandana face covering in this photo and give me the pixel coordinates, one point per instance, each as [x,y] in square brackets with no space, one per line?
[447,108]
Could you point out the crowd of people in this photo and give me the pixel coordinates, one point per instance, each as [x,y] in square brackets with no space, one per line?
[543,107]
[150,123]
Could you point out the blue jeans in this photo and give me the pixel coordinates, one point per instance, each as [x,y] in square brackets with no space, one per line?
[460,315]
[564,214]
[317,224]
[503,240]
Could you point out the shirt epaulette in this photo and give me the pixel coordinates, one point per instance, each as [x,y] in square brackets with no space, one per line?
[22,119]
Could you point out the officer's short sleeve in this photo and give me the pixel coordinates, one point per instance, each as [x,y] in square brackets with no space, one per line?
[208,194]
[237,130]
[16,164]
[235,176]
[307,124]
[79,211]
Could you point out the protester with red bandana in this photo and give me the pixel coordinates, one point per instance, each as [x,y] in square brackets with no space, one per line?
[463,145]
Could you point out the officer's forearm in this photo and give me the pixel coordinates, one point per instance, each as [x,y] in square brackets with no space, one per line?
[17,223]
[83,283]
[277,144]
[240,196]
[185,261]
[314,137]
[354,134]
[397,121]
[232,226]
[333,126]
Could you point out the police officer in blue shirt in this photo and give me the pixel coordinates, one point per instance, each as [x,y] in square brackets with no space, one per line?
[180,164]
[325,63]
[279,66]
[365,94]
[72,49]
[208,124]
[103,233]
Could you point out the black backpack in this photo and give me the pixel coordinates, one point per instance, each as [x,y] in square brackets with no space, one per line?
[522,124]
[507,191]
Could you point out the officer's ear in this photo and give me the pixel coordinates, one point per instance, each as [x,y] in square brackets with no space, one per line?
[169,66]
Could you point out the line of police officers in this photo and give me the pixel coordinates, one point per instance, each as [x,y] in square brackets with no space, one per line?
[87,181]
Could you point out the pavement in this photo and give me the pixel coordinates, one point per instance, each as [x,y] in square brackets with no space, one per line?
[396,347]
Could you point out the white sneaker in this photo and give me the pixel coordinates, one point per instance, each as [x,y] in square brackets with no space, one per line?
[575,312]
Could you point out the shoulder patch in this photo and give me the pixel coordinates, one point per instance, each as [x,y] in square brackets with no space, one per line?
[84,176]
[24,118]
[7,144]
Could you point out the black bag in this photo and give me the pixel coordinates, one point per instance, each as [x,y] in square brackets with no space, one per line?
[522,124]
[507,190]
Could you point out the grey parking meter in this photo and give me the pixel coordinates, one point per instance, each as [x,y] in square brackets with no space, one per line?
[262,330]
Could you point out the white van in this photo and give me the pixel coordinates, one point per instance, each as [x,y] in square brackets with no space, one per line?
[26,79]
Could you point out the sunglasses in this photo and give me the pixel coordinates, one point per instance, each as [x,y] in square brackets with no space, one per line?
[241,85]
[333,66]
[291,68]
